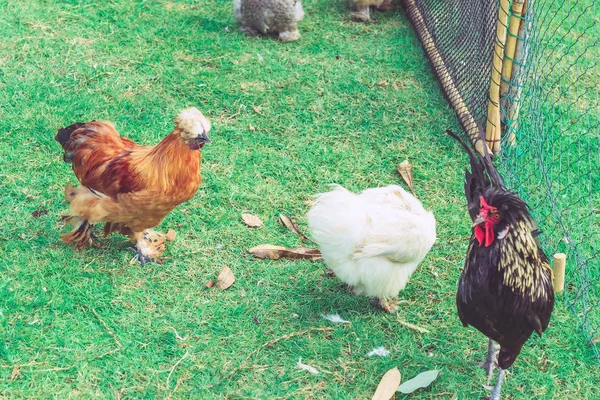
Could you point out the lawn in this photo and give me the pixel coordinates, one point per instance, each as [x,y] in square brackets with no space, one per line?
[345,104]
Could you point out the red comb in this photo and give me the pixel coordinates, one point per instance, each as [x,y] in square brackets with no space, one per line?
[484,203]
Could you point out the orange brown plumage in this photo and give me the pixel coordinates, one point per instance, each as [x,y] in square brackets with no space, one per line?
[130,187]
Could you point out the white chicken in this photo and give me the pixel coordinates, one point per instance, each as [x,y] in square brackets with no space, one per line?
[374,240]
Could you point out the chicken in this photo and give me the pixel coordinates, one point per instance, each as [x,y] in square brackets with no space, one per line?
[269,16]
[505,289]
[374,240]
[362,8]
[130,187]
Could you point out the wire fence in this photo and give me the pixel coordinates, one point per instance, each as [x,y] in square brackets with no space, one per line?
[554,161]
[528,70]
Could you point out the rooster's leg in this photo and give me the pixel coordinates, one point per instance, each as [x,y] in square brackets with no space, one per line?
[387,305]
[496,392]
[490,360]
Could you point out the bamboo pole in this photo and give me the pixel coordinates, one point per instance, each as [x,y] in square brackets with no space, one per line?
[456,101]
[511,45]
[517,75]
[493,127]
[558,279]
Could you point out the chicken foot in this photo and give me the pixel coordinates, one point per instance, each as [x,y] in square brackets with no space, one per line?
[81,234]
[386,305]
[149,244]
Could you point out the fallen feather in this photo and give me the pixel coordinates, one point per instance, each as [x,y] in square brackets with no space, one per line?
[307,367]
[336,319]
[379,351]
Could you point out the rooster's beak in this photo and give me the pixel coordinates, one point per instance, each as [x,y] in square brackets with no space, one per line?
[203,138]
[478,220]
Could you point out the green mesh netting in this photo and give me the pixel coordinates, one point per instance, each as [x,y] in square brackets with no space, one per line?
[550,111]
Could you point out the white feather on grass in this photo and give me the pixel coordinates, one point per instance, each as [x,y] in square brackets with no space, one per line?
[307,367]
[336,319]
[379,351]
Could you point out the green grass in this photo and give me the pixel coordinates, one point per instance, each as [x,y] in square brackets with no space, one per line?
[88,324]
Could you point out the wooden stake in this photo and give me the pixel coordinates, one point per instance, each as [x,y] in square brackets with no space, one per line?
[517,75]
[558,281]
[493,127]
[511,45]
[456,100]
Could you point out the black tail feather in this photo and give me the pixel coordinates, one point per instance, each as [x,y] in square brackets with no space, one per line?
[483,175]
[64,135]
[64,138]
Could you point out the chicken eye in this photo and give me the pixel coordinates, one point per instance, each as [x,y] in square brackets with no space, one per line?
[496,216]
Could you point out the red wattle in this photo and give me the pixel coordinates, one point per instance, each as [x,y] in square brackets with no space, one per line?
[489,234]
[479,234]
[485,237]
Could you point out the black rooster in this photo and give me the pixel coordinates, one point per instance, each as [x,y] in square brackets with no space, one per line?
[505,290]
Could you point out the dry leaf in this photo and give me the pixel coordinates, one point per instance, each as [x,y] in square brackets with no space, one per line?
[596,340]
[252,220]
[422,380]
[170,235]
[276,252]
[257,109]
[388,385]
[412,326]
[225,278]
[405,169]
[210,283]
[16,372]
[292,225]
[396,85]
[383,83]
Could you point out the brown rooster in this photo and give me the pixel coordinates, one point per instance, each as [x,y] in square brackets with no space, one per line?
[505,289]
[130,187]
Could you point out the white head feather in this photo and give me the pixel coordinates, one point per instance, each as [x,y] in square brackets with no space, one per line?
[192,123]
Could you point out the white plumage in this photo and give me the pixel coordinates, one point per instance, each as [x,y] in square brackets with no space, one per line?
[374,240]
